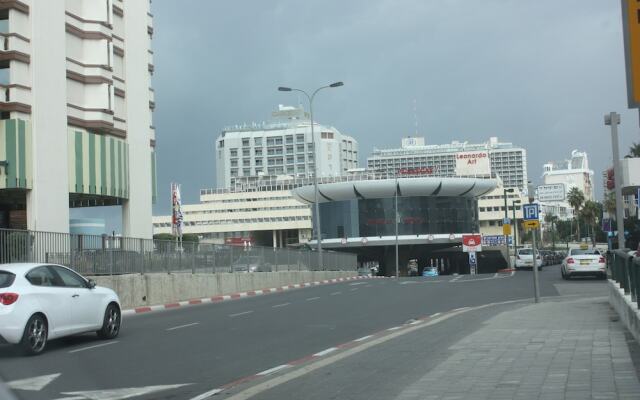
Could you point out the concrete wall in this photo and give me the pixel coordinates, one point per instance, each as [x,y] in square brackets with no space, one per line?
[626,309]
[140,290]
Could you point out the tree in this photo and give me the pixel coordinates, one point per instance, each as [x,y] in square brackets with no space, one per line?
[575,197]
[609,204]
[634,151]
[552,219]
[590,213]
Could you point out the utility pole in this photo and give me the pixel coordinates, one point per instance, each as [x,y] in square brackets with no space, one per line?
[613,119]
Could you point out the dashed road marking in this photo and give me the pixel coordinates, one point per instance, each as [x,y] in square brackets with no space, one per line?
[435,315]
[353,289]
[272,370]
[280,305]
[363,338]
[182,326]
[357,283]
[335,293]
[240,313]
[206,395]
[395,328]
[456,278]
[312,298]
[325,352]
[93,347]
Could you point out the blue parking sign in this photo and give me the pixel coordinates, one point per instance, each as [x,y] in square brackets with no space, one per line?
[530,212]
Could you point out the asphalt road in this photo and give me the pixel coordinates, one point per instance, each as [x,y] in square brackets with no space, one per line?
[182,353]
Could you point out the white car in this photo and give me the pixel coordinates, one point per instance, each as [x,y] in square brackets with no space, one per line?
[524,259]
[39,302]
[584,262]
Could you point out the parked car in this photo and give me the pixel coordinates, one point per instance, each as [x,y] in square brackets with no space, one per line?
[430,271]
[584,262]
[40,302]
[524,259]
[250,264]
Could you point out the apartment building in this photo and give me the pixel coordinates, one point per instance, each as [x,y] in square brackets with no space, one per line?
[76,109]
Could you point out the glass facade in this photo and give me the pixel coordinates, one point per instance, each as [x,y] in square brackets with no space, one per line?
[417,215]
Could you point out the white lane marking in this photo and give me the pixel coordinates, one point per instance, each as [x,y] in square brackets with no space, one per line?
[272,370]
[126,393]
[416,322]
[93,347]
[357,283]
[460,309]
[495,275]
[206,395]
[435,315]
[280,305]
[363,338]
[72,398]
[367,285]
[312,298]
[353,289]
[513,273]
[335,293]
[325,352]
[240,313]
[456,278]
[395,328]
[182,326]
[35,384]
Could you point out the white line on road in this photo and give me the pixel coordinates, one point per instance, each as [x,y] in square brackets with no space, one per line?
[353,289]
[395,328]
[206,395]
[335,293]
[460,309]
[93,347]
[240,313]
[363,338]
[435,315]
[280,305]
[182,326]
[495,275]
[357,283]
[456,278]
[325,352]
[272,370]
[312,298]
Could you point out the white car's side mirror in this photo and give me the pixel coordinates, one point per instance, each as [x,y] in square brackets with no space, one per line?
[91,284]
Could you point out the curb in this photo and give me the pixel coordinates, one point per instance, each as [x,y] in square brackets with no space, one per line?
[506,270]
[239,295]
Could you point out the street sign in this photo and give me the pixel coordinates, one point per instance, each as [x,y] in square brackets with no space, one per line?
[532,224]
[530,212]
[471,243]
[506,229]
[473,263]
[495,240]
[631,33]
[552,192]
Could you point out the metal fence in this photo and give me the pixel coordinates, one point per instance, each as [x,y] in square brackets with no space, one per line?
[625,269]
[112,255]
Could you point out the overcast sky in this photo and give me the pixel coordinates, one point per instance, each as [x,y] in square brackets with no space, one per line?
[539,73]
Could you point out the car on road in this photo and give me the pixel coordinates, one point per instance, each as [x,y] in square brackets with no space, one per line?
[430,271]
[250,264]
[40,302]
[584,262]
[524,259]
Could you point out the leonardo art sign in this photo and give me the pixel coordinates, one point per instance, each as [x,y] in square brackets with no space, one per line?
[473,163]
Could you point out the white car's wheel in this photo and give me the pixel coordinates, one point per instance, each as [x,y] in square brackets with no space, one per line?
[111,323]
[36,332]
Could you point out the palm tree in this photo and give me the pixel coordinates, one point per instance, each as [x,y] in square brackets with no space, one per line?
[575,197]
[609,204]
[634,151]
[552,219]
[590,213]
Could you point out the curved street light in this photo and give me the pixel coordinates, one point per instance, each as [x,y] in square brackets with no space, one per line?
[316,158]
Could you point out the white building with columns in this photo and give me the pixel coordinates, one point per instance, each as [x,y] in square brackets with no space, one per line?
[76,112]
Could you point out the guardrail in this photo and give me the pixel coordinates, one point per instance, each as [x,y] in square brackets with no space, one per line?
[112,255]
[625,270]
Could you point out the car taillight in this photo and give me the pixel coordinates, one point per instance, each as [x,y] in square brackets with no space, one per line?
[8,298]
[570,261]
[602,260]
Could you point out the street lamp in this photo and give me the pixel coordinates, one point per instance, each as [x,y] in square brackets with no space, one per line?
[316,158]
[613,119]
[506,217]
[515,230]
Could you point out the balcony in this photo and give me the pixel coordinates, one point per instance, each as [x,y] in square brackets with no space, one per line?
[88,73]
[15,47]
[94,119]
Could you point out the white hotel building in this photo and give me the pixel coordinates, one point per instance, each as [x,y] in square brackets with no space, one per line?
[282,146]
[76,112]
[506,161]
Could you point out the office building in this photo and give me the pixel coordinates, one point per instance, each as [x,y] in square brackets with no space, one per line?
[490,159]
[571,173]
[76,113]
[491,211]
[283,146]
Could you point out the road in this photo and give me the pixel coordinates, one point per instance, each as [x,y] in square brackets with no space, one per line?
[184,353]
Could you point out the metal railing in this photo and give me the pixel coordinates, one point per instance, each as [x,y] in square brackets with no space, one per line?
[625,269]
[113,255]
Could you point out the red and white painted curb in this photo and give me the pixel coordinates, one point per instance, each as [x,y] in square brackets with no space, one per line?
[239,295]
[506,270]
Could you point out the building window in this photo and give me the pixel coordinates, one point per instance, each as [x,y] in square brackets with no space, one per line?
[258,161]
[221,144]
[289,139]
[234,172]
[300,148]
[246,162]
[246,152]
[289,149]
[300,138]
[233,152]
[300,158]
[290,160]
[310,146]
[258,152]
[245,142]
[234,163]
[246,172]
[257,141]
[326,135]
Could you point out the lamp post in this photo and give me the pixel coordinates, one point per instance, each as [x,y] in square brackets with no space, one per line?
[613,119]
[506,216]
[396,212]
[515,230]
[316,158]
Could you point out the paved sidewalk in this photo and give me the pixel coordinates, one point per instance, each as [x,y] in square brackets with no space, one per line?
[572,349]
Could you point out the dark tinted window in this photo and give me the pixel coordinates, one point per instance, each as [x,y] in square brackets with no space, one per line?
[41,276]
[69,278]
[6,279]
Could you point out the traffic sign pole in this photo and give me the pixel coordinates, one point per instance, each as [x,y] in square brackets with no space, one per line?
[530,214]
[536,288]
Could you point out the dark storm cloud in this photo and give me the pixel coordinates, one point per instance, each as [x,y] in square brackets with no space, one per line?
[538,73]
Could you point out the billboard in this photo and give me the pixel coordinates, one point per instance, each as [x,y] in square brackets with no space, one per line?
[631,33]
[471,243]
[472,163]
[552,192]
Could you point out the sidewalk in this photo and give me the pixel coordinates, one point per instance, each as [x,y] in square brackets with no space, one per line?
[569,349]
